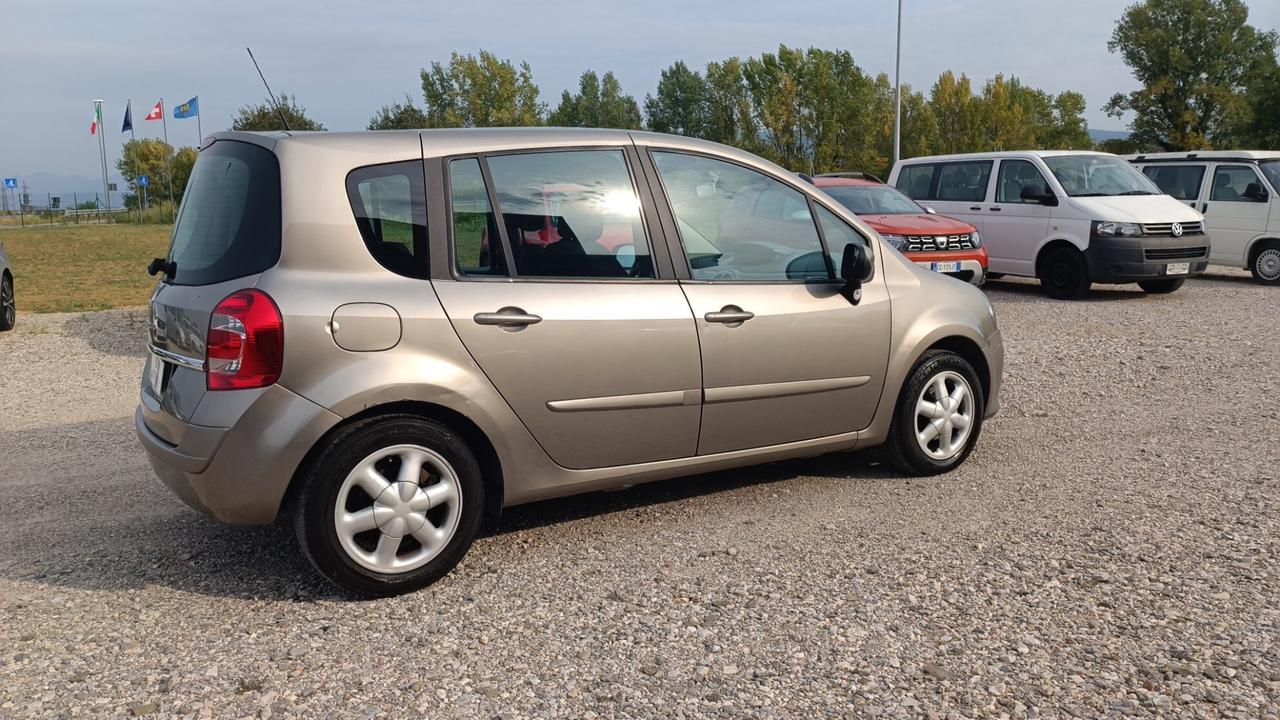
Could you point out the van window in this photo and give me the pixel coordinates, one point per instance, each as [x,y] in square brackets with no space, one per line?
[571,214]
[964,181]
[1231,181]
[1014,176]
[229,223]
[475,228]
[1179,181]
[390,207]
[915,180]
[1271,168]
[1095,175]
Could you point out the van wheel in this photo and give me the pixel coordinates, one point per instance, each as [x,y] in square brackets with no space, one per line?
[1160,287]
[1266,263]
[1064,275]
[390,505]
[938,417]
[8,308]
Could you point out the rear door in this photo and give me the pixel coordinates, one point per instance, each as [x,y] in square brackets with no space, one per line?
[1014,228]
[1232,216]
[558,294]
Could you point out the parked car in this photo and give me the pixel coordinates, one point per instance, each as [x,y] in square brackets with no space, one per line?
[1238,191]
[1069,218]
[937,242]
[8,306]
[377,337]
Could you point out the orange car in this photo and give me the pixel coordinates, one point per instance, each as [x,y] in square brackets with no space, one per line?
[938,242]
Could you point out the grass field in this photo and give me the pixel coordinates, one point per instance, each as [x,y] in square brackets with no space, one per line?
[68,268]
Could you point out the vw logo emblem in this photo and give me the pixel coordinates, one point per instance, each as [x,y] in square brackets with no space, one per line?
[1177,229]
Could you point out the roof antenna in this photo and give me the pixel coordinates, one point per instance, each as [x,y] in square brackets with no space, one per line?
[269,93]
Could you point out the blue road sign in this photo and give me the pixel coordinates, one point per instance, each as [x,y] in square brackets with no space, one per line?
[11,182]
[144,181]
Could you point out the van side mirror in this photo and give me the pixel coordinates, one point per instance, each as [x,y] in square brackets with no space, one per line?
[930,210]
[1037,194]
[1255,192]
[855,268]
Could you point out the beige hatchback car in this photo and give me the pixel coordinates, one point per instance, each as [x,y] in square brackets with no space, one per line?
[385,337]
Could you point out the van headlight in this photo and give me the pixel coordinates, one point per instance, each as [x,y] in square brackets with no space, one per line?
[1108,229]
[897,242]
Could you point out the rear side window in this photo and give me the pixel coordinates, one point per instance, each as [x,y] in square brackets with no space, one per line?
[1180,181]
[915,181]
[475,228]
[229,224]
[964,181]
[389,203]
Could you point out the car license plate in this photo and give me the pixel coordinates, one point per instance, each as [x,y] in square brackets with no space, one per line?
[945,267]
[1177,268]
[155,374]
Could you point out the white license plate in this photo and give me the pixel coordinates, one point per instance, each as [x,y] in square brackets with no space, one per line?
[1177,268]
[944,267]
[155,374]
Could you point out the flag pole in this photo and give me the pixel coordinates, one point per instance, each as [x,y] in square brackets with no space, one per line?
[169,163]
[102,150]
[199,132]
[133,137]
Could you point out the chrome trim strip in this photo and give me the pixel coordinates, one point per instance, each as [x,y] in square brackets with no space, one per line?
[670,398]
[177,359]
[782,389]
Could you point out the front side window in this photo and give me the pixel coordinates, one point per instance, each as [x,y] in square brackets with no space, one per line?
[739,224]
[389,203]
[1178,181]
[915,181]
[475,227]
[1016,175]
[1231,183]
[571,214]
[1098,176]
[964,181]
[1271,168]
[873,200]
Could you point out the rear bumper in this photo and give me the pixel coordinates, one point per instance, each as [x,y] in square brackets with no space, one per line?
[239,474]
[1122,260]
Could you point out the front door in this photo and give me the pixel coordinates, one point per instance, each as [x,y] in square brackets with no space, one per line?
[1234,214]
[555,295]
[785,356]
[1014,228]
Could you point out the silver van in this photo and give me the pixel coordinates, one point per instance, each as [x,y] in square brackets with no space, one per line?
[385,337]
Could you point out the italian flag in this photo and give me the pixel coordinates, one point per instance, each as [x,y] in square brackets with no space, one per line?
[97,119]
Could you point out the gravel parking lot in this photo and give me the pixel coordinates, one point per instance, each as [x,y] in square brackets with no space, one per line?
[1111,548]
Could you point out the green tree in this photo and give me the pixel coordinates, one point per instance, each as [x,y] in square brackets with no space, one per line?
[957,114]
[480,91]
[680,103]
[151,157]
[1007,115]
[599,102]
[183,162]
[1261,127]
[727,115]
[1070,130]
[264,116]
[1192,58]
[398,116]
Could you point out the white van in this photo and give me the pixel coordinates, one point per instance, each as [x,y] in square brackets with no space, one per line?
[1069,218]
[1239,193]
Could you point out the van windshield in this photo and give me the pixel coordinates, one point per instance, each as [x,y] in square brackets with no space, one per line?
[229,222]
[1099,176]
[1271,168]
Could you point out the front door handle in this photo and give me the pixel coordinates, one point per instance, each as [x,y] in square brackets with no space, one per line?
[507,318]
[729,315]
[974,208]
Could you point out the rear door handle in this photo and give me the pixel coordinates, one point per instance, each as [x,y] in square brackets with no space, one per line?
[729,315]
[507,317]
[995,209]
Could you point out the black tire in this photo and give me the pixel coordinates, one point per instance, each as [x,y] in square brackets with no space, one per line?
[1265,263]
[8,307]
[315,504]
[1064,274]
[902,448]
[1161,287]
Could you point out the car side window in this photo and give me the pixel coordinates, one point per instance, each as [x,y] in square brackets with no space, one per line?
[964,181]
[1179,181]
[915,181]
[1231,183]
[571,214]
[390,208]
[475,227]
[1016,175]
[739,224]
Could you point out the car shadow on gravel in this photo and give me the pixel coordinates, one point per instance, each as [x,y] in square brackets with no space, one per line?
[112,332]
[1028,291]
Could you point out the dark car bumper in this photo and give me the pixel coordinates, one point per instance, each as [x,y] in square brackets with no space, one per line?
[1122,260]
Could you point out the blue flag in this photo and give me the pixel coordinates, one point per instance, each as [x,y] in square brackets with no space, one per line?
[190,108]
[128,119]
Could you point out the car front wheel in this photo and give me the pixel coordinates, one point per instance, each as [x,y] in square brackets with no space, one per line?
[1064,275]
[1266,264]
[390,505]
[8,308]
[938,416]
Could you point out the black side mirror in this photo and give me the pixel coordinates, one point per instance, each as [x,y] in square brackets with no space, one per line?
[1255,192]
[1037,194]
[855,268]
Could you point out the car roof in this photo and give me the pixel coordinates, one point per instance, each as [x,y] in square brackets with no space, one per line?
[1000,154]
[1247,155]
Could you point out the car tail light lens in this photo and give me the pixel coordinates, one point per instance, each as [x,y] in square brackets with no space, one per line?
[245,345]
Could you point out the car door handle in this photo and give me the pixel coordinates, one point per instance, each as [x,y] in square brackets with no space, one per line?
[975,208]
[507,317]
[996,209]
[729,315]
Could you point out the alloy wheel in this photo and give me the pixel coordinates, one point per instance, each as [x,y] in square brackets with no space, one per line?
[944,415]
[1267,264]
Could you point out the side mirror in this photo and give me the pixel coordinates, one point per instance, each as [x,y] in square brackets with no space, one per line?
[855,268]
[1254,192]
[930,210]
[1037,194]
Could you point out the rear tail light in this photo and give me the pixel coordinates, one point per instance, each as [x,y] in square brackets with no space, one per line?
[245,345]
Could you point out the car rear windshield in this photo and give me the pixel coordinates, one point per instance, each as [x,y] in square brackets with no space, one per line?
[229,224]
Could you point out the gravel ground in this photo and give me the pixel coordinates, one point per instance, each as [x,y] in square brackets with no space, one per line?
[1109,549]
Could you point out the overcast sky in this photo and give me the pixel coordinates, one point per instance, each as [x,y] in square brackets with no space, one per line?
[344,59]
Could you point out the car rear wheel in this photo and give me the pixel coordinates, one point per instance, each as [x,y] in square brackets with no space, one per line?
[1266,264]
[938,416]
[1064,275]
[1160,287]
[390,505]
[8,308]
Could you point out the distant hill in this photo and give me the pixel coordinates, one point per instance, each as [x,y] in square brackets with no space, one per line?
[1100,135]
